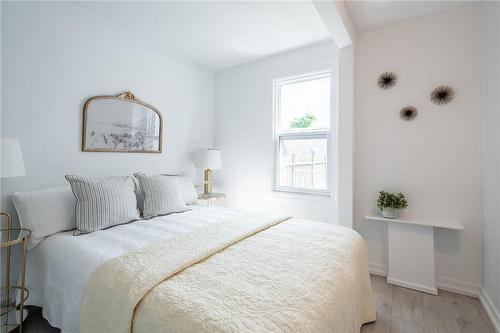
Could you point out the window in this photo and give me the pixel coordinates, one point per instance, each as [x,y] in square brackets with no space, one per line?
[302,108]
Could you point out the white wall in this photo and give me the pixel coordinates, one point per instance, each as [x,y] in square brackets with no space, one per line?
[244,133]
[436,158]
[55,55]
[337,19]
[49,70]
[490,19]
[345,136]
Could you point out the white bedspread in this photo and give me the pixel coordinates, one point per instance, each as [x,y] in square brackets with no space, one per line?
[256,273]
[59,267]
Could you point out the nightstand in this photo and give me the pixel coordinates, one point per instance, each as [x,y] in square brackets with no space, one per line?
[13,296]
[211,197]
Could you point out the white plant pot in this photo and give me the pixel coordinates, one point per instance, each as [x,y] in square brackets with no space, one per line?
[390,213]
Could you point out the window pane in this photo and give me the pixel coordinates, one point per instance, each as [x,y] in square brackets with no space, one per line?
[303,163]
[305,104]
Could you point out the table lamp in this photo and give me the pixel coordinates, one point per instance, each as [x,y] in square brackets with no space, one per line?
[208,159]
[12,164]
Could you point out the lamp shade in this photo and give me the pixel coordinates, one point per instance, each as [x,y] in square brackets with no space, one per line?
[208,159]
[12,160]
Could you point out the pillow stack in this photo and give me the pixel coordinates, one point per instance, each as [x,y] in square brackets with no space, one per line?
[91,204]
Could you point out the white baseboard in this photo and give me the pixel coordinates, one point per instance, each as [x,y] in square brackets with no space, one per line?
[377,269]
[458,287]
[490,309]
[413,286]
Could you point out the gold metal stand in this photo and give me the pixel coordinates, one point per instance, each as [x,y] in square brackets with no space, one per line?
[7,305]
[208,182]
[211,197]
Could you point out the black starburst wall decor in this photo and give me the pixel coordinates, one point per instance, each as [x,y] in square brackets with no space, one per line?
[387,80]
[408,113]
[442,95]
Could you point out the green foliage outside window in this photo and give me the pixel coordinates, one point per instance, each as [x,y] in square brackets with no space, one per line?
[303,122]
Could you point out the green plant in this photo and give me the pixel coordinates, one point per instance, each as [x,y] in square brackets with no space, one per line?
[303,122]
[391,200]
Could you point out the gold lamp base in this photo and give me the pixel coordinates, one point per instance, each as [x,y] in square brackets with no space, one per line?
[208,182]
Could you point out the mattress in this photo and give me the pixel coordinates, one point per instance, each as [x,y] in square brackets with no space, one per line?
[59,267]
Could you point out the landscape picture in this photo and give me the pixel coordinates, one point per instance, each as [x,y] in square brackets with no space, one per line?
[119,125]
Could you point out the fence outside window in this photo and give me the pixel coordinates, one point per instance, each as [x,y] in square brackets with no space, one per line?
[307,172]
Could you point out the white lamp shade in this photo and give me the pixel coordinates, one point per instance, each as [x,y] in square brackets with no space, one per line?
[208,159]
[12,159]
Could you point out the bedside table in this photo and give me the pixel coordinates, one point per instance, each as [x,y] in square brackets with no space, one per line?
[15,295]
[211,197]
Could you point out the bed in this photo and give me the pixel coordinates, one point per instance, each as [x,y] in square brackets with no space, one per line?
[208,269]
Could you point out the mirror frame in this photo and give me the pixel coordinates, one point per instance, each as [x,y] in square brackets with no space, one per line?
[129,97]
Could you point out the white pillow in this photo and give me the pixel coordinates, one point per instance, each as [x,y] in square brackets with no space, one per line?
[188,191]
[45,212]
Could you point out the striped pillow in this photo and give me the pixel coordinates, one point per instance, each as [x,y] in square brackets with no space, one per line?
[162,195]
[103,202]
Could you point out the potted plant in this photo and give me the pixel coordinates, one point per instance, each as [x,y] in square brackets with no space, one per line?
[391,203]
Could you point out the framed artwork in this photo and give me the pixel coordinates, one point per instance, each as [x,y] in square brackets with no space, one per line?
[121,124]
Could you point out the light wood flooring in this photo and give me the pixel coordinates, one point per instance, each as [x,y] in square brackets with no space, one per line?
[398,310]
[403,310]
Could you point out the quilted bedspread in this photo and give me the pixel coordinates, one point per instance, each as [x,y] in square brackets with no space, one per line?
[253,274]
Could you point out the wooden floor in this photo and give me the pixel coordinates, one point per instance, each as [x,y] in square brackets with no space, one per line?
[398,310]
[404,310]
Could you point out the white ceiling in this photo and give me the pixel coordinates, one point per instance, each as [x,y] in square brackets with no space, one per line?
[218,34]
[369,15]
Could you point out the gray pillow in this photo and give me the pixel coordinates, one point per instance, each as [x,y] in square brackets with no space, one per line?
[189,194]
[103,202]
[162,195]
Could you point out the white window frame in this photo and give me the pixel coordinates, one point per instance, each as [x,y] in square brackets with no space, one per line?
[302,133]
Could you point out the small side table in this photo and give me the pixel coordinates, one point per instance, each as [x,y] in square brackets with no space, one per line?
[211,197]
[410,252]
[11,237]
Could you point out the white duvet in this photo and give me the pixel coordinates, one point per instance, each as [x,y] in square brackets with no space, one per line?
[59,267]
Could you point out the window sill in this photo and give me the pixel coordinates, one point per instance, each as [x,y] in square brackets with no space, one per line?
[290,194]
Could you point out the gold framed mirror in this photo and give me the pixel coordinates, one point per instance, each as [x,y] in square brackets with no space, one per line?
[121,124]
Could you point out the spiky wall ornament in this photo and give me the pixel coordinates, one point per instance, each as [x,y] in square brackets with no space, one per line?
[387,80]
[408,113]
[442,95]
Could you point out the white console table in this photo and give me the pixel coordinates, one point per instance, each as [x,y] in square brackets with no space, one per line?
[410,252]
